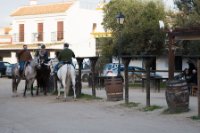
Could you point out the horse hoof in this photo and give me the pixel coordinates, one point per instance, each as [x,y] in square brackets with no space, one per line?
[65,100]
[75,99]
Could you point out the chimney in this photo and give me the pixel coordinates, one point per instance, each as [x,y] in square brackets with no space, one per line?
[33,2]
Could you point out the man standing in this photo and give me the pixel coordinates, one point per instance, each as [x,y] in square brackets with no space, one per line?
[23,57]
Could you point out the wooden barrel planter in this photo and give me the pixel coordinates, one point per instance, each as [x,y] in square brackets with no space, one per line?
[177,96]
[114,88]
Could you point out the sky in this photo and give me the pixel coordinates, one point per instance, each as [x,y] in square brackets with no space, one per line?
[8,6]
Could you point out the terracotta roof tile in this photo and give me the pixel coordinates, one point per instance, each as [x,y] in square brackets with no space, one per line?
[7,30]
[30,46]
[42,9]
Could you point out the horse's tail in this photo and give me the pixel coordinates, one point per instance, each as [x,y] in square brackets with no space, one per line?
[68,74]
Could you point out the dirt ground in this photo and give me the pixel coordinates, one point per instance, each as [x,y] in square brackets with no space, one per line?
[45,114]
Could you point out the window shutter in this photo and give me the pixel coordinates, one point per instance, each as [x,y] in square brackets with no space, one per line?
[21,32]
[60,30]
[40,31]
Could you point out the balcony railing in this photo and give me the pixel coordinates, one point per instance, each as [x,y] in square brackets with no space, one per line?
[38,37]
[57,36]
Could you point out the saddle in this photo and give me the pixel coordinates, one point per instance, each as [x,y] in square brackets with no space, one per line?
[65,62]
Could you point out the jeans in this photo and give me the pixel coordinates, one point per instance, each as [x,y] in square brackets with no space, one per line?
[57,66]
[21,66]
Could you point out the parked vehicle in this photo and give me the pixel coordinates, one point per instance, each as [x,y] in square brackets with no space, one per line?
[85,70]
[84,74]
[9,70]
[111,69]
[135,73]
[3,66]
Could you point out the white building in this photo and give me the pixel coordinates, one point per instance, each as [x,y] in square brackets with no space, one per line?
[5,35]
[55,23]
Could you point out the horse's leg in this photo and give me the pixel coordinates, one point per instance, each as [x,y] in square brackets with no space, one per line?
[58,88]
[37,88]
[25,88]
[44,88]
[15,85]
[14,89]
[65,85]
[73,85]
[31,85]
[73,79]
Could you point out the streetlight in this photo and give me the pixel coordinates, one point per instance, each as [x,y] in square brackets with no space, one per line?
[120,20]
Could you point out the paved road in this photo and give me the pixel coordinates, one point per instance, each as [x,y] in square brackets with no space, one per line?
[45,114]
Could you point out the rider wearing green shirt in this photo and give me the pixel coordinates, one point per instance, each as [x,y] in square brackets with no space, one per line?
[65,57]
[66,54]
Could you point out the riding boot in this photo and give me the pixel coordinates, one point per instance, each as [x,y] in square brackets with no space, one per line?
[21,73]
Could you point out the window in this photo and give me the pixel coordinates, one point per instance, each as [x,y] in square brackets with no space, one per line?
[40,31]
[21,32]
[178,63]
[94,26]
[60,29]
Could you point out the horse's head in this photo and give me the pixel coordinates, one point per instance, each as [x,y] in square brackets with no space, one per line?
[52,63]
[36,62]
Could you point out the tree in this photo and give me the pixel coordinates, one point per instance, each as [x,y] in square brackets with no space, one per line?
[188,17]
[141,33]
[189,13]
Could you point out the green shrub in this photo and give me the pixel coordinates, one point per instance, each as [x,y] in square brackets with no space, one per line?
[151,108]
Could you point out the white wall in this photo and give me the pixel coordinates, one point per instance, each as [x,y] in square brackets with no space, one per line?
[77,28]
[11,59]
[30,23]
[161,64]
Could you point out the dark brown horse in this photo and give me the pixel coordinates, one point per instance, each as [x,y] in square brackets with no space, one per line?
[43,75]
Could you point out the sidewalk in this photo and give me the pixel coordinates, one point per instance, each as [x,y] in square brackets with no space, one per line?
[138,95]
[46,114]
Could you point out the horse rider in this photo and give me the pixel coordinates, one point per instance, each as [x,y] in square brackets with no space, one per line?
[42,53]
[65,57]
[23,57]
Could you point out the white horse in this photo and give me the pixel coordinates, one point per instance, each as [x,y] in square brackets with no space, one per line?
[66,75]
[29,76]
